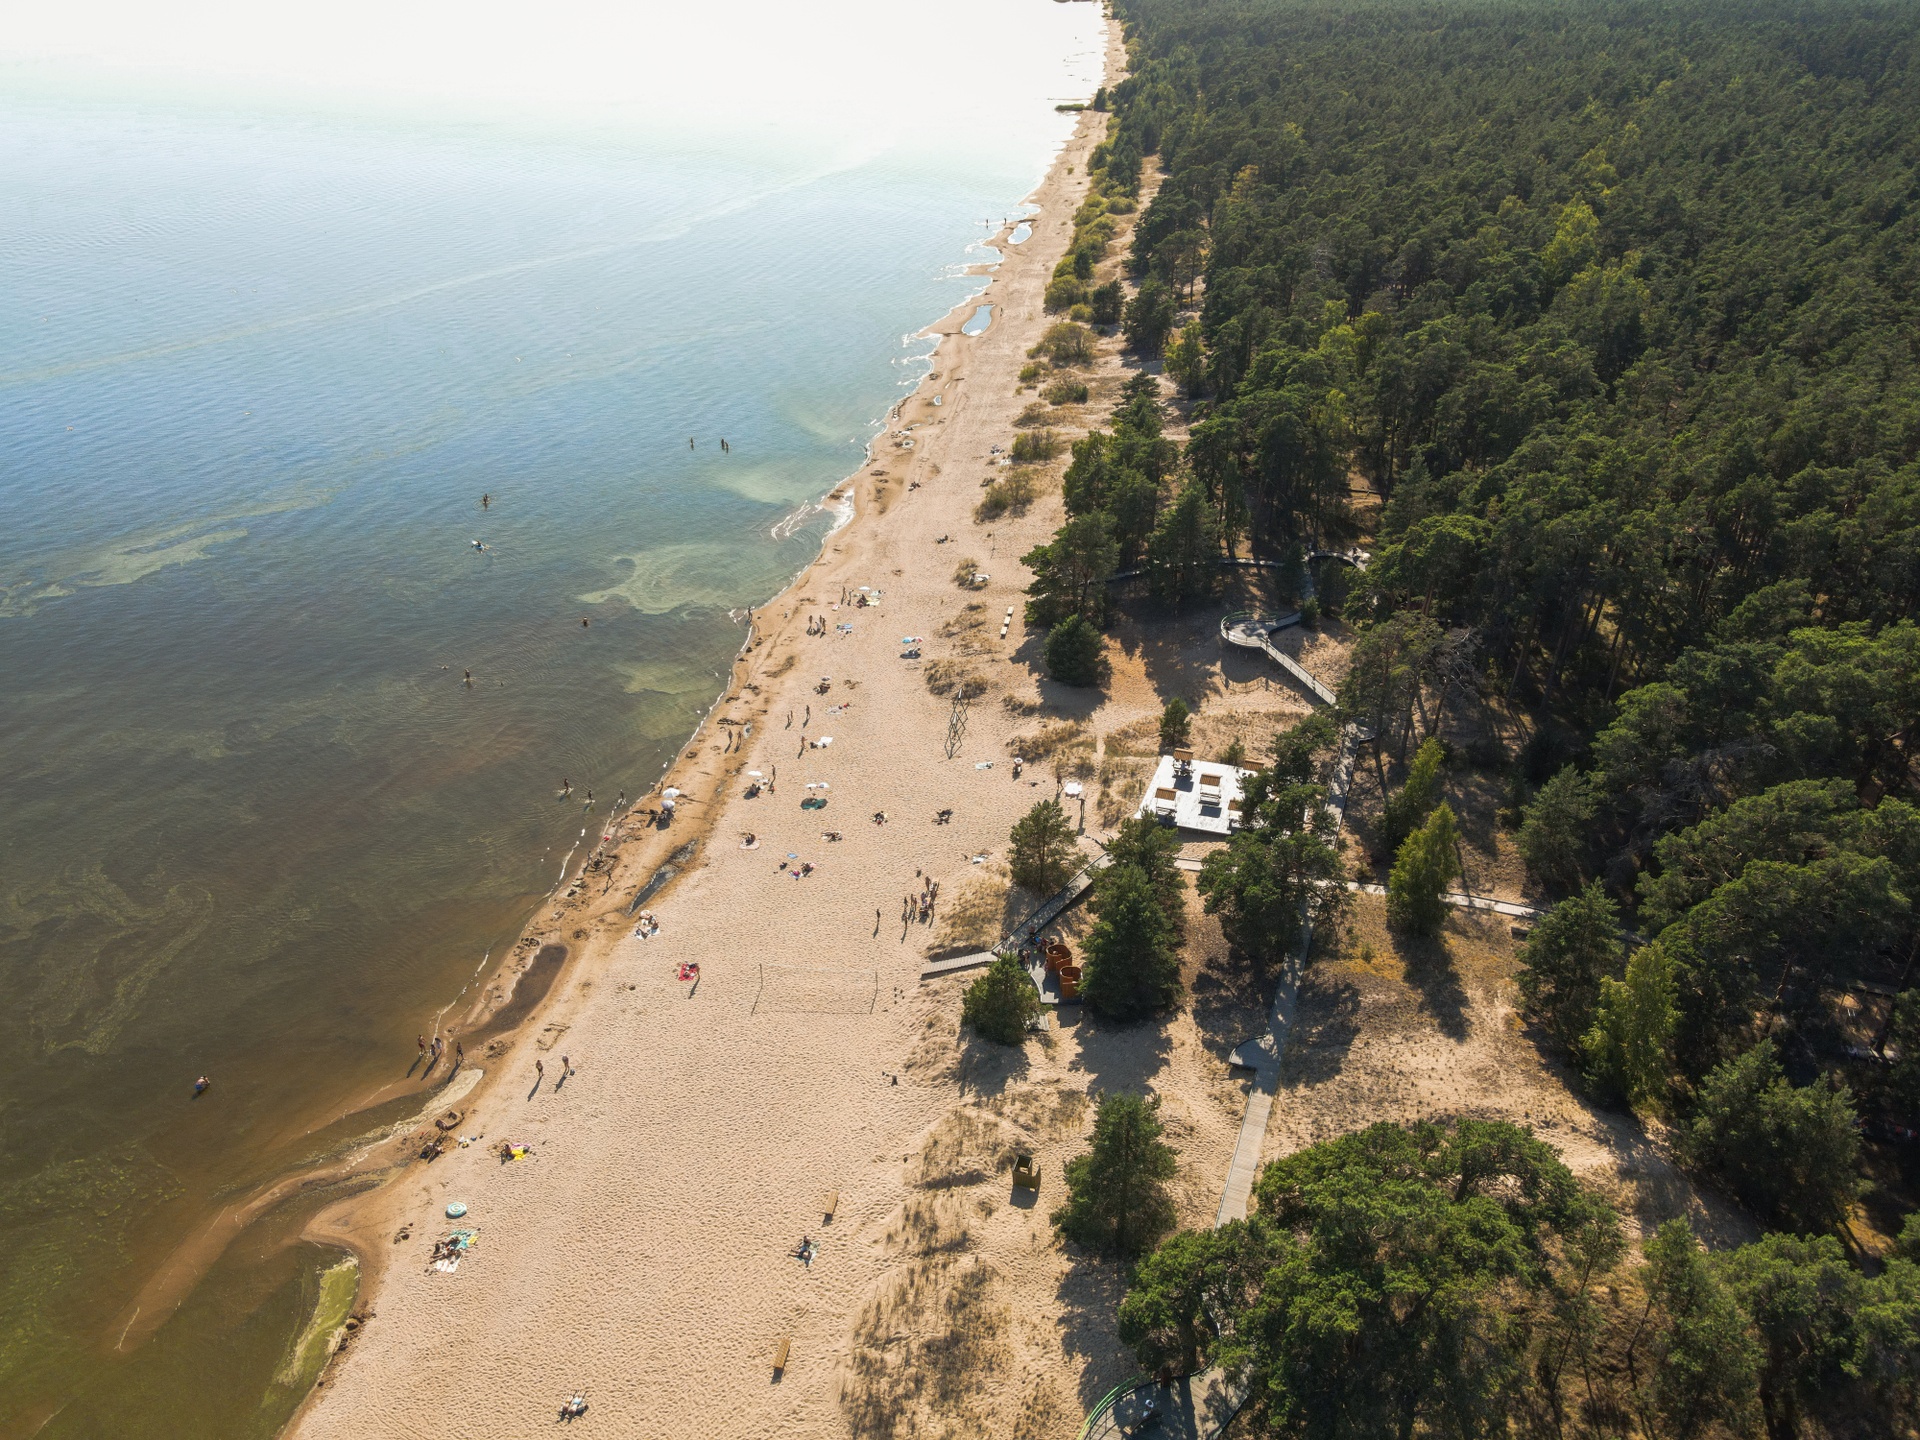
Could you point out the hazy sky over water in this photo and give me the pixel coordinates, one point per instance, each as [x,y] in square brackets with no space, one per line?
[823,70]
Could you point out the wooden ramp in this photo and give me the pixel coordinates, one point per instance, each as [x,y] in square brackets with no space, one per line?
[1253,632]
[1035,921]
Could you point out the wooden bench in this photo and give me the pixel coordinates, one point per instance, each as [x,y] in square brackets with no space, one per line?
[780,1355]
[829,1203]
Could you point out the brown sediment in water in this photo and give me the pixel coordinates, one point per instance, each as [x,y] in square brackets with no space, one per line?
[174,1278]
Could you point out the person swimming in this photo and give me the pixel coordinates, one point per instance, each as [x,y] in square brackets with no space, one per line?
[478,546]
[485,501]
[200,1086]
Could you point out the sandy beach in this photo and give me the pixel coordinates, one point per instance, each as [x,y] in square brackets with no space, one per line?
[640,1254]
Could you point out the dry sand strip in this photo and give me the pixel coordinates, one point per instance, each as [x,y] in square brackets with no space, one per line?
[641,1253]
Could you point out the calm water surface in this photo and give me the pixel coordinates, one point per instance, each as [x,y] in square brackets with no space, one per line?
[255,375]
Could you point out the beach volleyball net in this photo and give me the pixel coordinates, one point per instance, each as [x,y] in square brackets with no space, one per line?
[816,990]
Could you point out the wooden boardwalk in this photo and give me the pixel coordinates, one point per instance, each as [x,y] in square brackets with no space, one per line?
[1252,632]
[1263,1053]
[1031,925]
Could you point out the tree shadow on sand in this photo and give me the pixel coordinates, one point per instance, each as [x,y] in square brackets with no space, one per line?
[1090,1294]
[1230,1000]
[986,1067]
[1180,653]
[1476,798]
[1118,1056]
[1057,701]
[1428,965]
[1230,995]
[1326,1022]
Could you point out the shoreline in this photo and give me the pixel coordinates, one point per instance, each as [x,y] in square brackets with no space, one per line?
[386,1149]
[590,927]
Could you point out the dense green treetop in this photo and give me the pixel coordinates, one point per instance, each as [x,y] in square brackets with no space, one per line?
[1615,302]
[1614,307]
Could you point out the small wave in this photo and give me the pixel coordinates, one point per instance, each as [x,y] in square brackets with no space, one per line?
[789,525]
[842,511]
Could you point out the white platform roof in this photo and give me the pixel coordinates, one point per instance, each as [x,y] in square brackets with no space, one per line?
[1198,795]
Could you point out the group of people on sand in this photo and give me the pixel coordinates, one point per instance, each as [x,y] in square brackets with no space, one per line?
[920,907]
[431,1051]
